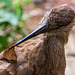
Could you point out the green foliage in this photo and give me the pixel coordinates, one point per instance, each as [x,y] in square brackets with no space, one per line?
[10,15]
[6,3]
[3,42]
[28,2]
[17,9]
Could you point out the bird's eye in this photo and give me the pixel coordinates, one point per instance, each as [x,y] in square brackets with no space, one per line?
[63,10]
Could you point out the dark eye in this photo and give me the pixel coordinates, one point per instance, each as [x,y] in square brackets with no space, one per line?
[63,10]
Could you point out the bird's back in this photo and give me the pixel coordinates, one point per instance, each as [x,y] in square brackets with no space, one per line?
[15,61]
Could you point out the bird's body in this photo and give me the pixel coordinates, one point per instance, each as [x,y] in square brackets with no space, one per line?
[43,56]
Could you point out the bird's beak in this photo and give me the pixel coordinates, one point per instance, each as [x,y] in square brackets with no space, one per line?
[39,30]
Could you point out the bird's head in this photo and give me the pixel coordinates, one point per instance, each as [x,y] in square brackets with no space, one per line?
[54,21]
[59,19]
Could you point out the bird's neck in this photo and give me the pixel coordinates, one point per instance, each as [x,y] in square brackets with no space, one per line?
[53,47]
[48,58]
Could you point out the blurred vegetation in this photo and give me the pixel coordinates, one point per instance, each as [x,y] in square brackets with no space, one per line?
[10,15]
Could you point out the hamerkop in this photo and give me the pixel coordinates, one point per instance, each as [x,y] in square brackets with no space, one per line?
[43,56]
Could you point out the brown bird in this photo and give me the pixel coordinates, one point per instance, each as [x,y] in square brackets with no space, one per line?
[43,56]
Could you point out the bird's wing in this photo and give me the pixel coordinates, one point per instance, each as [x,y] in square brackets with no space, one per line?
[15,61]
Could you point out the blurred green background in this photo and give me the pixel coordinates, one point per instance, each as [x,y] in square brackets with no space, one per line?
[11,13]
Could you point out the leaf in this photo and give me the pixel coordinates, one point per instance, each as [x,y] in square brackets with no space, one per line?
[9,17]
[18,11]
[3,42]
[7,2]
[28,2]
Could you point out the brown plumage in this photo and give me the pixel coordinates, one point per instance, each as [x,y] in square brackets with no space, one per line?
[45,55]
